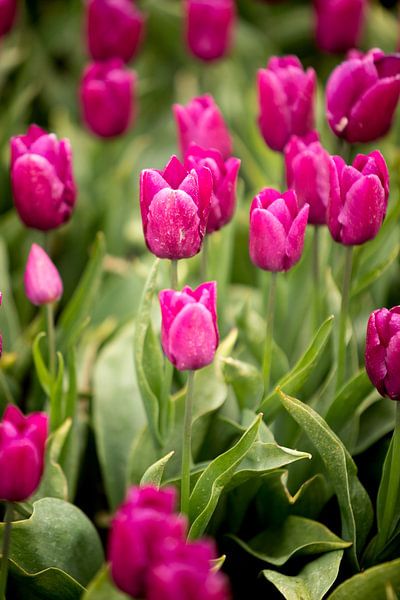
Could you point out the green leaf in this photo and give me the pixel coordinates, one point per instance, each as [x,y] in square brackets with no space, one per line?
[150,400]
[367,279]
[82,302]
[296,536]
[102,588]
[9,320]
[246,380]
[347,401]
[154,473]
[372,583]
[53,483]
[313,581]
[355,505]
[49,584]
[295,379]
[42,371]
[205,495]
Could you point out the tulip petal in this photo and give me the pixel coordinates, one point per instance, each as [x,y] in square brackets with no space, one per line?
[295,239]
[274,118]
[20,470]
[363,212]
[151,182]
[267,244]
[392,379]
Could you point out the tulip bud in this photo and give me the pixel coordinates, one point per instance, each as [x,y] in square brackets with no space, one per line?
[22,443]
[114,29]
[8,11]
[362,95]
[175,206]
[107,97]
[42,281]
[382,351]
[189,331]
[359,197]
[339,23]
[201,122]
[141,527]
[309,173]
[277,230]
[186,574]
[286,100]
[42,179]
[224,175]
[209,27]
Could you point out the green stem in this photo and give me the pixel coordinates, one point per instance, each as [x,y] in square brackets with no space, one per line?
[204,259]
[6,549]
[394,485]
[174,274]
[344,312]
[187,445]
[316,278]
[168,368]
[269,332]
[51,339]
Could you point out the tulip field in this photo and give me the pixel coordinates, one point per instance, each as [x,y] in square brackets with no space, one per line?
[199,300]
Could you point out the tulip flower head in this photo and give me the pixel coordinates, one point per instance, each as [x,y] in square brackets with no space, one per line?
[189,330]
[286,95]
[114,29]
[201,122]
[209,27]
[382,351]
[358,200]
[175,205]
[42,280]
[362,95]
[22,445]
[339,23]
[42,179]
[224,175]
[8,11]
[107,94]
[277,230]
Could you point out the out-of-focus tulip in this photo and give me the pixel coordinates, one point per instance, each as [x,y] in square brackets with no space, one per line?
[286,95]
[22,443]
[277,230]
[224,174]
[209,27]
[175,205]
[358,200]
[42,280]
[362,95]
[107,95]
[8,11]
[189,331]
[382,351]
[339,23]
[309,173]
[42,179]
[201,122]
[114,29]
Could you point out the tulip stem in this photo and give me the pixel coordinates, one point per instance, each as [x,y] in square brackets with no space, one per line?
[316,278]
[269,332]
[204,259]
[6,549]
[187,445]
[344,312]
[51,339]
[174,274]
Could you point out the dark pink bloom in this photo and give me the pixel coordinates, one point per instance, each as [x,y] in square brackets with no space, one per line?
[201,122]
[175,205]
[362,95]
[382,351]
[209,27]
[22,444]
[107,95]
[8,11]
[286,95]
[359,197]
[339,23]
[42,280]
[277,230]
[42,179]
[114,29]
[189,330]
[224,174]
[309,173]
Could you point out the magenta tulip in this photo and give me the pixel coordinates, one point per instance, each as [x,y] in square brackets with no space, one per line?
[175,205]
[42,280]
[339,23]
[42,179]
[189,331]
[286,95]
[209,27]
[224,174]
[382,351]
[8,11]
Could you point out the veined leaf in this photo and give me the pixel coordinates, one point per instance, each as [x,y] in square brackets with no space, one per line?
[155,472]
[372,583]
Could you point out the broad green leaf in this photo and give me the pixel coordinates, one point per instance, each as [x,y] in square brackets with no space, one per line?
[313,581]
[155,472]
[372,583]
[296,536]
[355,505]
[57,535]
[149,398]
[42,371]
[294,380]
[246,380]
[54,483]
[367,279]
[376,421]
[207,491]
[102,588]
[48,584]
[347,401]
